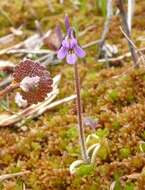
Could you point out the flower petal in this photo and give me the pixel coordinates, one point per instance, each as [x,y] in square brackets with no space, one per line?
[62,53]
[79,51]
[73,43]
[65,42]
[71,58]
[69,42]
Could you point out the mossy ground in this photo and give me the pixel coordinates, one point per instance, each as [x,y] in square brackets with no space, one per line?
[115,99]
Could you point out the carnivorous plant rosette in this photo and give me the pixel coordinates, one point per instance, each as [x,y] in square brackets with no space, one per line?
[34,81]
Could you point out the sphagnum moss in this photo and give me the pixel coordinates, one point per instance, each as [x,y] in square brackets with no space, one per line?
[49,169]
[127,136]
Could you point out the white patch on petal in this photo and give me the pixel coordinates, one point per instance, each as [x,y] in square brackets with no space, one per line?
[71,58]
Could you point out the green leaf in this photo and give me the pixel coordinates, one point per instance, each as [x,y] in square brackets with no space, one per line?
[117,185]
[102,4]
[85,170]
[129,186]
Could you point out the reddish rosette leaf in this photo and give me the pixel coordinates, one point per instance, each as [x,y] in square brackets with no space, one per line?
[30,69]
[27,68]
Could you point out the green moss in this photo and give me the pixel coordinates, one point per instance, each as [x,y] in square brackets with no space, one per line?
[19,185]
[35,146]
[129,186]
[33,181]
[7,158]
[71,133]
[77,181]
[15,169]
[143,135]
[141,147]
[93,187]
[125,152]
[102,133]
[116,124]
[115,98]
[103,152]
[113,95]
[103,169]
[2,141]
[40,135]
[1,186]
[130,98]
[63,110]
[73,150]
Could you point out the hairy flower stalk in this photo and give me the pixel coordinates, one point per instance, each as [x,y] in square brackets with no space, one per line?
[71,50]
[79,114]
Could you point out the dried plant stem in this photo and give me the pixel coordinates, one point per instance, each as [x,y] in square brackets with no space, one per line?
[130,12]
[121,57]
[107,23]
[8,176]
[126,29]
[142,57]
[79,114]
[34,110]
[8,89]
[25,51]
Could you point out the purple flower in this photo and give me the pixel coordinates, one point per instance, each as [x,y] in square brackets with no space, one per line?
[69,46]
